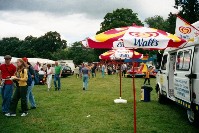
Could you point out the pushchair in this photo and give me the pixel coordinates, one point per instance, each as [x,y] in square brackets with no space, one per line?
[42,79]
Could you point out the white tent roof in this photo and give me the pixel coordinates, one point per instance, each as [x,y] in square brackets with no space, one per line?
[33,61]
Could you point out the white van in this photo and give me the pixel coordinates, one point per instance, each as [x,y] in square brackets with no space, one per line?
[178,79]
[67,63]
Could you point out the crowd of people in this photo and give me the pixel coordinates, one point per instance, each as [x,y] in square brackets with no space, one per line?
[105,68]
[85,71]
[23,77]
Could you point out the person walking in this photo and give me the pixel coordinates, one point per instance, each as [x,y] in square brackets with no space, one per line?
[76,71]
[44,68]
[36,69]
[124,69]
[57,76]
[93,70]
[103,70]
[21,90]
[80,69]
[49,75]
[30,96]
[7,70]
[85,76]
[147,75]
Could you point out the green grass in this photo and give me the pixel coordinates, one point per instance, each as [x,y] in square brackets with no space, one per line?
[66,111]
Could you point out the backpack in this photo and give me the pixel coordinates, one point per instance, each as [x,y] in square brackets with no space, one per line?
[29,81]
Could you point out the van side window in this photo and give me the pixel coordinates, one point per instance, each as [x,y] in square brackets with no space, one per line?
[187,59]
[179,63]
[164,62]
[183,60]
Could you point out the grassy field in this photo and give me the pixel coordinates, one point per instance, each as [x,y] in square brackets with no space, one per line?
[73,110]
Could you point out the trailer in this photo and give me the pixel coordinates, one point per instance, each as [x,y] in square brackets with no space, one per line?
[178,78]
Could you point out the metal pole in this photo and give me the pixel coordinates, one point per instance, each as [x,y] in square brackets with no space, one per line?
[120,79]
[134,95]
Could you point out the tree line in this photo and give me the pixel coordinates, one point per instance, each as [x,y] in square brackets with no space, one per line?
[49,46]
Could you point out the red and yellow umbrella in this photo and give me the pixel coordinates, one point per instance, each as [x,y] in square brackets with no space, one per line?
[117,54]
[134,37]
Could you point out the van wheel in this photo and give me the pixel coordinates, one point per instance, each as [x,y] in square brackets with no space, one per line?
[193,117]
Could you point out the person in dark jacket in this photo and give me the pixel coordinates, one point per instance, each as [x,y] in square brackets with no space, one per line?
[30,96]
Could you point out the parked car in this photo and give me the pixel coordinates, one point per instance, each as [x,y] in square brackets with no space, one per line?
[66,71]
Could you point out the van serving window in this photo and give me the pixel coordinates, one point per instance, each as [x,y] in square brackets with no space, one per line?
[183,60]
[164,62]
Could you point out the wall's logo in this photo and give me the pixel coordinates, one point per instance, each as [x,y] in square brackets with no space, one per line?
[144,35]
[185,30]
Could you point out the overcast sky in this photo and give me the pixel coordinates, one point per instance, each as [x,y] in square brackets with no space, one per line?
[73,19]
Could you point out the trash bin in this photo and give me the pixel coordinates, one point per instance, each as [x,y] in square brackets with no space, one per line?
[146,93]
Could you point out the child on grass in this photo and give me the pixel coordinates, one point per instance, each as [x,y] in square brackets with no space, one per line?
[147,75]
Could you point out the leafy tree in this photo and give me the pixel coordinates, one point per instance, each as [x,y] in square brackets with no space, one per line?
[46,46]
[51,42]
[171,20]
[79,54]
[27,47]
[64,44]
[61,55]
[190,9]
[9,46]
[119,18]
[157,22]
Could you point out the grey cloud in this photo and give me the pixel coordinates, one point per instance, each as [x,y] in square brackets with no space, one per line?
[92,8]
[73,19]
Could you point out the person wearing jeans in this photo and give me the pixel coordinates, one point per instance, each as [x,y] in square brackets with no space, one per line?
[6,93]
[57,76]
[21,90]
[7,70]
[85,77]
[103,70]
[30,96]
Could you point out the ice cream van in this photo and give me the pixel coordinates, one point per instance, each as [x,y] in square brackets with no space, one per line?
[178,78]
